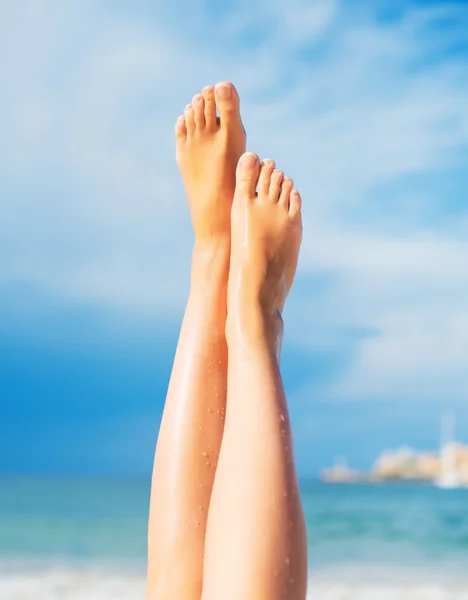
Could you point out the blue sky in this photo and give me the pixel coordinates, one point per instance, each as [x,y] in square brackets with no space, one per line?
[363,104]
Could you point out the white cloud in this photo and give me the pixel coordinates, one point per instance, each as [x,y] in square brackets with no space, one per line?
[92,208]
[419,354]
[410,296]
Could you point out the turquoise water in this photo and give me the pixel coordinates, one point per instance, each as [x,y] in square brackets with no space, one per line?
[400,525]
[410,526]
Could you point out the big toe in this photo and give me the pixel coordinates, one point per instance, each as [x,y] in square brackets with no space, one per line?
[227,102]
[248,169]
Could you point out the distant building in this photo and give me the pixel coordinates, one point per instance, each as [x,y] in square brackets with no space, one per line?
[451,456]
[447,468]
[341,473]
[405,464]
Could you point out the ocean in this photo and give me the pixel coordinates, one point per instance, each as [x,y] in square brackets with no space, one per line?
[86,539]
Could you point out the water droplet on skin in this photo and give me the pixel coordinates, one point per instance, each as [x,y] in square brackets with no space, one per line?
[204,454]
[282,417]
[198,522]
[210,410]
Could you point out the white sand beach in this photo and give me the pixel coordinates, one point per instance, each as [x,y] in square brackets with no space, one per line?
[106,583]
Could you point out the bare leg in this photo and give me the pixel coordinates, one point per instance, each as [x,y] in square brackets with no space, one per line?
[192,426]
[256,542]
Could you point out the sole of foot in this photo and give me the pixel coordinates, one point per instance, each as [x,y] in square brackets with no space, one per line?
[208,148]
[266,235]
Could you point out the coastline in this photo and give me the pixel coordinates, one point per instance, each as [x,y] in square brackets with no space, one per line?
[76,540]
[28,580]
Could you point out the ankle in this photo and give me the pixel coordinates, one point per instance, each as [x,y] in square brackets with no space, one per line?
[251,325]
[210,249]
[210,262]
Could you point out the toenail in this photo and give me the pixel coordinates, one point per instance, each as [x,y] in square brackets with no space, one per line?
[277,172]
[197,99]
[188,107]
[249,160]
[208,89]
[224,91]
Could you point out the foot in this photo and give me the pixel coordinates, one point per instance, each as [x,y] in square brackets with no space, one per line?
[208,149]
[266,234]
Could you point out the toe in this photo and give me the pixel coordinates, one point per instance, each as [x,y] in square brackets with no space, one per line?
[286,190]
[180,129]
[275,185]
[247,173]
[266,169]
[227,101]
[210,108]
[295,203]
[198,104]
[189,119]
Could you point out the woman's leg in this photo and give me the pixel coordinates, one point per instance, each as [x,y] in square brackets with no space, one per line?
[256,541]
[192,425]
